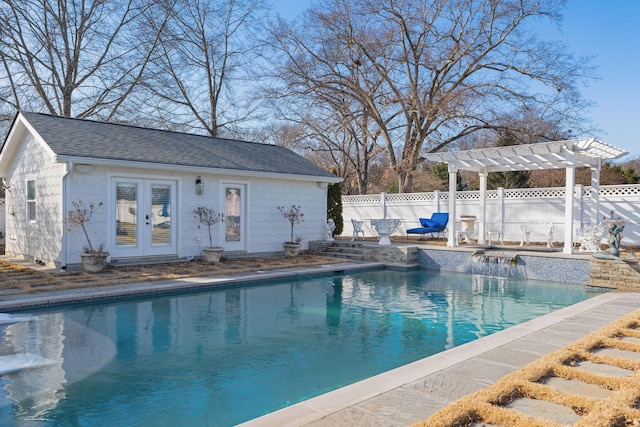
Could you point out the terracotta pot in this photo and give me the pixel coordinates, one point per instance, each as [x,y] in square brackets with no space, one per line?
[291,249]
[212,255]
[94,262]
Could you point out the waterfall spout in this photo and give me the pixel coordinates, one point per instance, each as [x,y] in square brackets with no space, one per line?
[497,264]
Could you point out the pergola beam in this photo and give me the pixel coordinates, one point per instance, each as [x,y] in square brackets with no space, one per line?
[566,154]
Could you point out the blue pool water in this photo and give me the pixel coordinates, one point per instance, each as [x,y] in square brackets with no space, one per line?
[223,357]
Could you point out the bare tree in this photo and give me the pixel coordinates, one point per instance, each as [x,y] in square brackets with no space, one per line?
[355,143]
[200,75]
[71,57]
[430,71]
[342,134]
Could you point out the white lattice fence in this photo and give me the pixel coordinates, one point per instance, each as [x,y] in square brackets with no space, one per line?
[513,207]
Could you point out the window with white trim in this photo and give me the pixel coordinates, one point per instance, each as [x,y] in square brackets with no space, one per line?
[31,200]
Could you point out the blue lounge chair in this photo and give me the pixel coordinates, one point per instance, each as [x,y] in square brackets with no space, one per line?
[436,224]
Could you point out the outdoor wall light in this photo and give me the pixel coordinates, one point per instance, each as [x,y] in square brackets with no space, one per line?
[199,186]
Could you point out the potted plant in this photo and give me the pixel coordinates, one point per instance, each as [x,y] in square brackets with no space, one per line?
[293,215]
[93,258]
[209,217]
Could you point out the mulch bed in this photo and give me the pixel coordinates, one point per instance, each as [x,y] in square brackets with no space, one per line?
[18,279]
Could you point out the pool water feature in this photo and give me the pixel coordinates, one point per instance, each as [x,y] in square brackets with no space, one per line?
[226,356]
[497,263]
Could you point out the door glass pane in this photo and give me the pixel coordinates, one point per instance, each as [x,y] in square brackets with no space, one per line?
[233,204]
[126,214]
[161,214]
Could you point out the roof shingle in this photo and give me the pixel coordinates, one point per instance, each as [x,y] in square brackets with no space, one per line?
[111,141]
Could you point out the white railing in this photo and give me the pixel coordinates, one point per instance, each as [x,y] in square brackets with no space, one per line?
[512,207]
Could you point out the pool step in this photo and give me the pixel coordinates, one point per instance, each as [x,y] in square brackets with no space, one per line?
[18,362]
[348,250]
[7,318]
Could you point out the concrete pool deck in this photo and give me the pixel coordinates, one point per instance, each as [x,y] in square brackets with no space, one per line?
[404,395]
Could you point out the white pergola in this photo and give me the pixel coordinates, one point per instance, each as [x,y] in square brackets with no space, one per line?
[568,155]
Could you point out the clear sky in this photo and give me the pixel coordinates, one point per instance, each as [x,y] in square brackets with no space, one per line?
[609,30]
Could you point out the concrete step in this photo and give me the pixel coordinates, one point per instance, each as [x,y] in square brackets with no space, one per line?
[619,354]
[346,244]
[603,369]
[344,250]
[347,250]
[577,387]
[346,255]
[543,409]
[161,259]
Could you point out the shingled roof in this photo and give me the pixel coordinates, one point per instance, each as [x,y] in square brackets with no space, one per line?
[87,139]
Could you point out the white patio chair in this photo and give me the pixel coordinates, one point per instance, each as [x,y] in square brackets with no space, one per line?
[357,228]
[495,227]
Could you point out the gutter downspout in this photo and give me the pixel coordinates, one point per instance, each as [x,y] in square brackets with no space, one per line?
[64,204]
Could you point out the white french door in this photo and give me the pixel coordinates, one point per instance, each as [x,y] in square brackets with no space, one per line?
[144,217]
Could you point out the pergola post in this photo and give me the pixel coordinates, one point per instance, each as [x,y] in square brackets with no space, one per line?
[453,181]
[595,193]
[568,210]
[483,206]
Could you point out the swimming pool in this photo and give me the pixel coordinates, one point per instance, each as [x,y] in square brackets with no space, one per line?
[222,357]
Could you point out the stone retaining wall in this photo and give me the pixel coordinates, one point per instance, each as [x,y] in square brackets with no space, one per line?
[402,255]
[614,274]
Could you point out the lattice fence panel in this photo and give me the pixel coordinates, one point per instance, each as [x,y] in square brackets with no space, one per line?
[361,199]
[534,193]
[492,195]
[411,197]
[620,190]
[468,195]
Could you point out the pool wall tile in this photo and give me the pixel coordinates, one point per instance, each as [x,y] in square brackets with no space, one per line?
[528,267]
[444,260]
[556,269]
